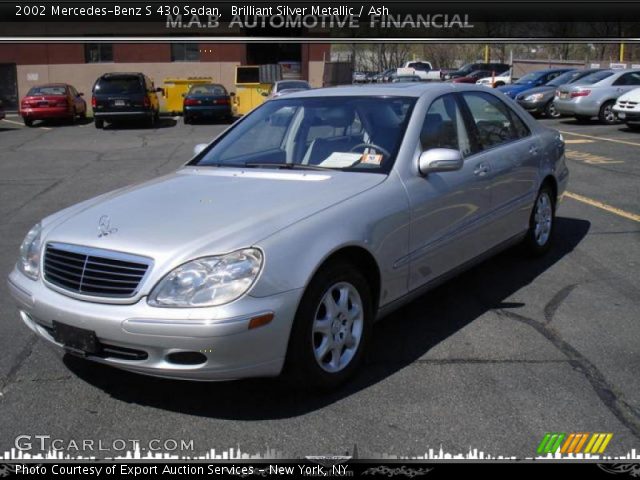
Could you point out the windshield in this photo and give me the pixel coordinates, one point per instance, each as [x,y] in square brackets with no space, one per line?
[528,78]
[595,77]
[356,133]
[567,77]
[119,85]
[207,90]
[288,85]
[48,90]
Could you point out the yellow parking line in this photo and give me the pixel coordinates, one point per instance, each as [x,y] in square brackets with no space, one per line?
[603,206]
[601,138]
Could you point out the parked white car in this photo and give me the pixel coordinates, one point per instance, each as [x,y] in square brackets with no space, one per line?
[497,81]
[420,68]
[627,108]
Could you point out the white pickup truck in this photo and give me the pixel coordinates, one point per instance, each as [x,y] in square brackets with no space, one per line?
[421,68]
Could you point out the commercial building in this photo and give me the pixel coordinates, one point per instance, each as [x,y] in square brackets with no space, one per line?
[23,65]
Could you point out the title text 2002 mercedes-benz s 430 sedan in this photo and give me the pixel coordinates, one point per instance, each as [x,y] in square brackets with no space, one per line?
[277,246]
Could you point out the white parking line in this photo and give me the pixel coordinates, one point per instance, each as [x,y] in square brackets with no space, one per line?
[20,124]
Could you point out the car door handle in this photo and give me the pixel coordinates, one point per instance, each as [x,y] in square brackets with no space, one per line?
[533,150]
[481,170]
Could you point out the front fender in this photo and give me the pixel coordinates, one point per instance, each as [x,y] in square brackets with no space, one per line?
[376,220]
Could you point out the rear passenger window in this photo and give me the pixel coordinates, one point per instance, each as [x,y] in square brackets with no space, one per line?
[495,122]
[444,127]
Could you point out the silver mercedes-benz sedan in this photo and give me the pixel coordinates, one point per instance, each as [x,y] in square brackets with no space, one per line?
[277,246]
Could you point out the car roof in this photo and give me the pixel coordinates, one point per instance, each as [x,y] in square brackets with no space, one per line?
[413,89]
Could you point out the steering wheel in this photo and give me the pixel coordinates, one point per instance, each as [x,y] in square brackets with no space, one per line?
[371,145]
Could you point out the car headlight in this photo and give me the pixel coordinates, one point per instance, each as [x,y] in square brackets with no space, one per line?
[535,97]
[208,281]
[29,262]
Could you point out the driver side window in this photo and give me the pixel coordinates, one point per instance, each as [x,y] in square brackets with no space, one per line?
[444,127]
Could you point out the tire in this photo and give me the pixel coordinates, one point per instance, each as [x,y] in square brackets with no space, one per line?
[550,110]
[539,237]
[83,115]
[28,122]
[186,120]
[305,364]
[99,123]
[606,114]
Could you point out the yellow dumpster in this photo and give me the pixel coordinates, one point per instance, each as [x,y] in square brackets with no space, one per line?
[175,88]
[250,91]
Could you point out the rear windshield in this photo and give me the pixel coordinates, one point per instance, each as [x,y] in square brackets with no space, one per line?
[48,90]
[288,85]
[207,90]
[119,85]
[595,77]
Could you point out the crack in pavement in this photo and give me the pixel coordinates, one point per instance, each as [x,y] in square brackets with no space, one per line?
[552,306]
[20,359]
[612,400]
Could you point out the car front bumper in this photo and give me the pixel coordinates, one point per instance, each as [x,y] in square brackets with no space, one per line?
[533,107]
[627,115]
[221,334]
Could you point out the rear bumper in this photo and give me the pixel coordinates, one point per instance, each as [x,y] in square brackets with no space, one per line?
[576,107]
[132,115]
[207,111]
[43,113]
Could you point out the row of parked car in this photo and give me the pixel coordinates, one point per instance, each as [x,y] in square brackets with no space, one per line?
[119,97]
[606,94]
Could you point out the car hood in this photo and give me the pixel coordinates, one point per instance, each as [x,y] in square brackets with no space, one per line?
[633,96]
[203,210]
[548,89]
[512,90]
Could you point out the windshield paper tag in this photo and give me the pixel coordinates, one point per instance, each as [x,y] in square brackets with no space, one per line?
[340,160]
[371,158]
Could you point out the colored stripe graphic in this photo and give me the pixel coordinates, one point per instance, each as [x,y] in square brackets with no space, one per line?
[550,443]
[574,442]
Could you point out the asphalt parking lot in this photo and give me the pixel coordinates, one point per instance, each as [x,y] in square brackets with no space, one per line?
[491,360]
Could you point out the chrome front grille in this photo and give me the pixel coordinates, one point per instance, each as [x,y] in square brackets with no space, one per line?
[94,272]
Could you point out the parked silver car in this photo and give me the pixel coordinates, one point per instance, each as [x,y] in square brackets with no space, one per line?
[595,95]
[278,244]
[285,87]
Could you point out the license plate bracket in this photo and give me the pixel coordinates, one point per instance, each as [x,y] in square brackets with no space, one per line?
[119,103]
[74,338]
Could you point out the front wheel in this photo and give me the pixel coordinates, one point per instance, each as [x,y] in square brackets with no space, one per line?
[539,237]
[551,111]
[99,123]
[28,122]
[606,114]
[331,329]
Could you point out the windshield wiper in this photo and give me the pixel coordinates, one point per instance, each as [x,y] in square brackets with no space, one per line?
[287,166]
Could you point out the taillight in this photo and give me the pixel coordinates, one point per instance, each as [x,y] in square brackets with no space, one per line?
[222,101]
[94,102]
[191,101]
[580,93]
[147,102]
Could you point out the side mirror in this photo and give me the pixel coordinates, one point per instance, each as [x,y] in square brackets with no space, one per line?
[81,94]
[232,94]
[439,160]
[159,90]
[265,94]
[199,148]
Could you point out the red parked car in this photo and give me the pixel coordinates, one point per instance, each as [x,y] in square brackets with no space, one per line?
[52,101]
